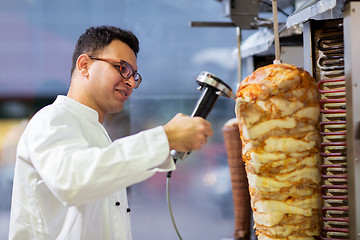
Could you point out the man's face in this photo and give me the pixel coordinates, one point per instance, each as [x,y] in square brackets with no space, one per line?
[107,89]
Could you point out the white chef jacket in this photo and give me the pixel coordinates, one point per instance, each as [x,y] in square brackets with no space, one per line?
[70,178]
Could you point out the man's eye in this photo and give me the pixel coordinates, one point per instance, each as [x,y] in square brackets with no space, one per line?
[118,67]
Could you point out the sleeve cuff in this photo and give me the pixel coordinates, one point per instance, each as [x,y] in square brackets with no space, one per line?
[168,164]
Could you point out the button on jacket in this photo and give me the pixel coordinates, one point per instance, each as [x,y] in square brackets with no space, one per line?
[70,178]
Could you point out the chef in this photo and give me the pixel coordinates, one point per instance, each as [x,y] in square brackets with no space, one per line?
[70,178]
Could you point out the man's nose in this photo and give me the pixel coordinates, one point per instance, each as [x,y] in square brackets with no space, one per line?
[130,82]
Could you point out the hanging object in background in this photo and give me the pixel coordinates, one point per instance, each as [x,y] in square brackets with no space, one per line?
[242,13]
[239,183]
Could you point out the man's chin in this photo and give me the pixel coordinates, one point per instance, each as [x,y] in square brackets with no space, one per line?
[117,110]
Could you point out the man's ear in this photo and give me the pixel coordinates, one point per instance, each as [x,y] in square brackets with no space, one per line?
[82,64]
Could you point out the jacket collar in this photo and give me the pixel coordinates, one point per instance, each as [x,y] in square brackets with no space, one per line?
[79,108]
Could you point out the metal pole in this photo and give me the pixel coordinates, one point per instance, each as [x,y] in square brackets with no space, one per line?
[238,40]
[276,32]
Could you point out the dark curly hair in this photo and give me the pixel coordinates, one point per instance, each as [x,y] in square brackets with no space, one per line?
[96,39]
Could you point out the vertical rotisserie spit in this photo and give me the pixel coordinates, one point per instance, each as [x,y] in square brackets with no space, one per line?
[278,111]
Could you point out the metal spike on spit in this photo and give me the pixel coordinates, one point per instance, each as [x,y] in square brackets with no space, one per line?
[276,32]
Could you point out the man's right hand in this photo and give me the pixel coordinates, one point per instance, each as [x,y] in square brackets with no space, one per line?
[186,133]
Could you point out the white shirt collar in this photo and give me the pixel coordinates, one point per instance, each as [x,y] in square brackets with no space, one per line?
[78,108]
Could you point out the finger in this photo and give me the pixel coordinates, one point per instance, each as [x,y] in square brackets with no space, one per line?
[205,139]
[182,115]
[208,132]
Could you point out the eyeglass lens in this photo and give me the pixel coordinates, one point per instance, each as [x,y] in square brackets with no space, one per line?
[126,71]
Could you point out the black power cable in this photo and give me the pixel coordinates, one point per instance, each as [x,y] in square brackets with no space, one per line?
[169,204]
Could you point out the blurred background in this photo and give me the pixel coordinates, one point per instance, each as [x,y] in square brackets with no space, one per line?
[36,43]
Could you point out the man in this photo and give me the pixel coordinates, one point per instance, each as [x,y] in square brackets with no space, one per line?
[70,178]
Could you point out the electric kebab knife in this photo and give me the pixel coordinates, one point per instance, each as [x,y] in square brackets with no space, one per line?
[212,87]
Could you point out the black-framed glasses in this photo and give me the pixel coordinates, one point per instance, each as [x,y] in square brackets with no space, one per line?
[123,67]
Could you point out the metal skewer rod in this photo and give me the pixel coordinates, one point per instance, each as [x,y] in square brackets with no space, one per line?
[276,32]
[238,40]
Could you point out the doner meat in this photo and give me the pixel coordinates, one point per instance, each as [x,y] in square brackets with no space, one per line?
[277,108]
